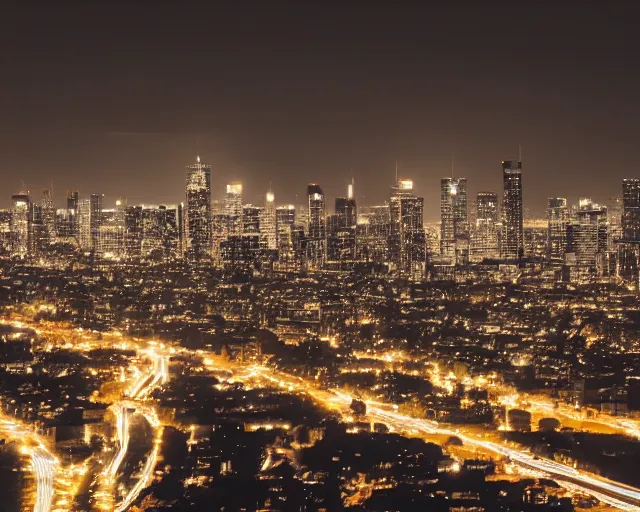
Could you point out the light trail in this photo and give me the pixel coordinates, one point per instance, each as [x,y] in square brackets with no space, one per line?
[44,465]
[43,462]
[612,493]
[123,421]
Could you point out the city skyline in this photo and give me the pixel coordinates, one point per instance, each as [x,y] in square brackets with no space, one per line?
[320,109]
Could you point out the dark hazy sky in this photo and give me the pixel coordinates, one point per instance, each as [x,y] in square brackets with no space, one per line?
[112,97]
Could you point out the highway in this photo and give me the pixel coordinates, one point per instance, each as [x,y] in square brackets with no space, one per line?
[44,465]
[43,462]
[612,493]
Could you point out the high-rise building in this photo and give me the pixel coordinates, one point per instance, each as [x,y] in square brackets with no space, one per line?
[72,200]
[198,210]
[485,233]
[513,238]
[48,212]
[285,222]
[5,233]
[631,210]
[95,218]
[20,224]
[268,224]
[111,233]
[372,233]
[133,229]
[558,218]
[233,208]
[407,244]
[341,228]
[83,220]
[160,232]
[454,222]
[316,235]
[587,241]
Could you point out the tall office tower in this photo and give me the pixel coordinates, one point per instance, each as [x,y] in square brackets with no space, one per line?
[133,230]
[407,244]
[285,222]
[372,233]
[233,208]
[346,209]
[268,224]
[316,234]
[111,242]
[48,212]
[20,224]
[68,230]
[72,200]
[485,233]
[513,237]
[160,232]
[404,188]
[5,232]
[558,218]
[341,228]
[198,210]
[95,218]
[38,239]
[631,210]
[587,241]
[251,219]
[83,219]
[454,222]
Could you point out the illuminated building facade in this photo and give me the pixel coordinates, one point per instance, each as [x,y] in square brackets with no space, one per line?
[268,224]
[48,213]
[587,242]
[485,233]
[198,211]
[95,218]
[557,218]
[372,233]
[20,224]
[341,229]
[631,210]
[83,220]
[407,248]
[316,235]
[513,237]
[233,208]
[454,222]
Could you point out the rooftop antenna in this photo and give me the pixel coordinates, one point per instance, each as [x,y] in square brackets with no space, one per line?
[453,160]
[520,153]
[396,171]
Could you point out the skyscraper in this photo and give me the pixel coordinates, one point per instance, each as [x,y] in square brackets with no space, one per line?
[407,245]
[513,239]
[285,226]
[558,218]
[631,210]
[485,234]
[20,224]
[316,236]
[268,229]
[83,219]
[48,212]
[198,206]
[454,223]
[587,241]
[95,218]
[341,229]
[233,208]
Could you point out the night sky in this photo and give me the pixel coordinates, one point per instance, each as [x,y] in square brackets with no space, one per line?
[117,98]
